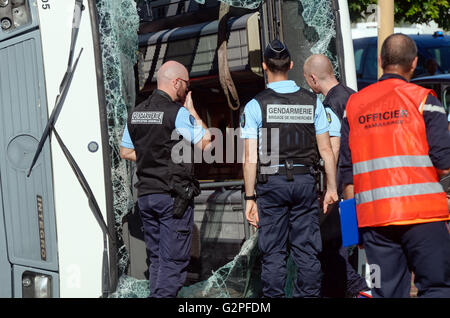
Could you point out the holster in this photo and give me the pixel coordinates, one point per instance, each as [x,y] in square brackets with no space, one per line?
[319,173]
[260,177]
[183,195]
[289,166]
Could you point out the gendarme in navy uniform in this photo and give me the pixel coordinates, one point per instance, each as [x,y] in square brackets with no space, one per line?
[166,187]
[339,277]
[283,125]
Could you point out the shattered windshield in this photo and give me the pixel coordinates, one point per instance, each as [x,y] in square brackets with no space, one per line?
[308,28]
[118,25]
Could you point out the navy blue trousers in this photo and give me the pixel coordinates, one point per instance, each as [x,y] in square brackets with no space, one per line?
[168,242]
[399,249]
[289,222]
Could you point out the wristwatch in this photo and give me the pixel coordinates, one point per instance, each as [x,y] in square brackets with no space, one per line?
[250,197]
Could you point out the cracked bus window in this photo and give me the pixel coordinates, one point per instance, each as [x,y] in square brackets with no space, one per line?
[308,27]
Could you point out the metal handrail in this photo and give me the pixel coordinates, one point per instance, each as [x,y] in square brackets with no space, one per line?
[221,184]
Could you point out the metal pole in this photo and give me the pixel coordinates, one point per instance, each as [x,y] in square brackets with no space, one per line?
[214,185]
[385,12]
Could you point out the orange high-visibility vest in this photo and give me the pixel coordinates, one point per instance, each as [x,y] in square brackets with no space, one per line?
[393,176]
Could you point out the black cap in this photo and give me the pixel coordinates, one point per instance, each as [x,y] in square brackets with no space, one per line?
[276,50]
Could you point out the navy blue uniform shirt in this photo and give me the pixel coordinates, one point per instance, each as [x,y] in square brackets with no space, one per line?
[438,136]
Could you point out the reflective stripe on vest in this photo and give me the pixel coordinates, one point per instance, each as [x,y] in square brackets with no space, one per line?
[398,191]
[433,108]
[391,162]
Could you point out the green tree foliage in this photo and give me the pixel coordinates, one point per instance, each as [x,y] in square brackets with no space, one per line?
[412,11]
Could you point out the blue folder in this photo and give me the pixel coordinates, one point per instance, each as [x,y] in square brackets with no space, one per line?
[349,222]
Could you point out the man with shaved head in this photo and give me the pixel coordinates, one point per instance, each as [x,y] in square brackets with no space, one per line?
[319,75]
[165,188]
[339,279]
[394,145]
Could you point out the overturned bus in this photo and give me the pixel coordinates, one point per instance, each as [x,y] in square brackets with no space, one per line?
[70,72]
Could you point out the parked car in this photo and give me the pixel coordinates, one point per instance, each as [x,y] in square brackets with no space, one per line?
[440,84]
[433,53]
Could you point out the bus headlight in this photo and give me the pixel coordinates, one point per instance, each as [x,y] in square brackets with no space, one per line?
[6,23]
[36,285]
[14,14]
[20,16]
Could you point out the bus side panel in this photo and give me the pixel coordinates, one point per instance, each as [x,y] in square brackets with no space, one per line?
[5,266]
[27,202]
[80,238]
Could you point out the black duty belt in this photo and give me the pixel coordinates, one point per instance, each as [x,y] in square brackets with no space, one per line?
[295,170]
[289,170]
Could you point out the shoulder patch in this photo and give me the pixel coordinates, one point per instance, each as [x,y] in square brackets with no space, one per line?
[329,117]
[243,119]
[192,120]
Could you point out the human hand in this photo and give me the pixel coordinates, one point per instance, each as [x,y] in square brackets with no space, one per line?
[188,103]
[251,212]
[330,198]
